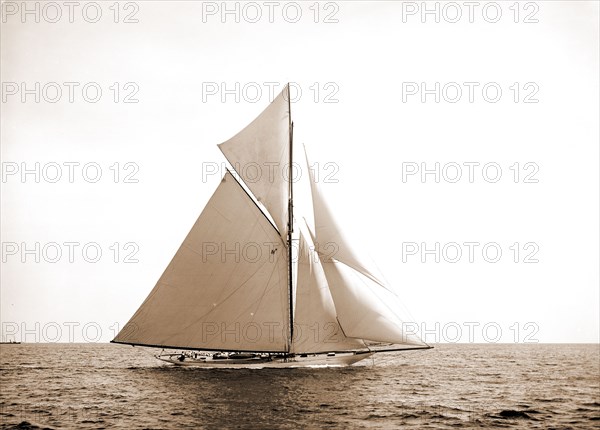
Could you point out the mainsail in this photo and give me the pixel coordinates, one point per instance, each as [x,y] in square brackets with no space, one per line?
[231,285]
[225,289]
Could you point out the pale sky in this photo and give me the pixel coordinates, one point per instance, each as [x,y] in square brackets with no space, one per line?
[360,110]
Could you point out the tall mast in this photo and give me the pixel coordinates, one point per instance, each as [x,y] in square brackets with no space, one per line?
[290,220]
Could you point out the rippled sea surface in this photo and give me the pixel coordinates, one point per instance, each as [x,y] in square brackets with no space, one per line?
[452,386]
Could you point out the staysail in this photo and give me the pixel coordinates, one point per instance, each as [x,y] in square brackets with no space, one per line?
[260,155]
[226,287]
[365,307]
[316,326]
[328,236]
[365,310]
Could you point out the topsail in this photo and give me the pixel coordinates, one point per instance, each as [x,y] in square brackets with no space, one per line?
[260,154]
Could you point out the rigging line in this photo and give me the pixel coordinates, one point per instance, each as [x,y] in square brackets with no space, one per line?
[387,305]
[253,199]
[281,159]
[148,297]
[233,165]
[266,288]
[237,265]
[404,307]
[228,296]
[399,302]
[231,274]
[169,266]
[315,194]
[355,274]
[312,265]
[149,353]
[256,223]
[342,328]
[183,244]
[243,284]
[276,265]
[379,351]
[368,275]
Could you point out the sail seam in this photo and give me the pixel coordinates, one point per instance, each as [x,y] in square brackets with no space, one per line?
[268,286]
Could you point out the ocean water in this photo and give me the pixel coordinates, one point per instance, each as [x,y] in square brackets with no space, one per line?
[96,386]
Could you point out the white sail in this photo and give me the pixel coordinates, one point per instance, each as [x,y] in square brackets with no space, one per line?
[328,237]
[364,309]
[226,287]
[260,155]
[230,286]
[316,328]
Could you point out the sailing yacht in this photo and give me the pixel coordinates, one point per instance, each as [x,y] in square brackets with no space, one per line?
[253,285]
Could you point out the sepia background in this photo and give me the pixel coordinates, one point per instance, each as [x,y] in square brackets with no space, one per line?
[177,78]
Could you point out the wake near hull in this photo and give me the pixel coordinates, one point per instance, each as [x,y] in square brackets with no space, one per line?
[309,361]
